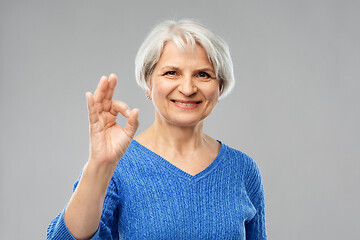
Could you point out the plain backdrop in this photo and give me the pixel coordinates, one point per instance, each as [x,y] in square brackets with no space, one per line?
[294,110]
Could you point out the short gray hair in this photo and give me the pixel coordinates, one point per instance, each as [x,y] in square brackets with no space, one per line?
[181,33]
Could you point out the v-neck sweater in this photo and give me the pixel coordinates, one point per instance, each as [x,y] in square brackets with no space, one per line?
[150,198]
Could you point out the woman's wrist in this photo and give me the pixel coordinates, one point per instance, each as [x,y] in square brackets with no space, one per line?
[97,175]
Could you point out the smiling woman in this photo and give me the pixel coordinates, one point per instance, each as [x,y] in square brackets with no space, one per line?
[171,181]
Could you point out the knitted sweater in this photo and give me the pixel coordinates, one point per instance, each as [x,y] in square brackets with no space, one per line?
[149,198]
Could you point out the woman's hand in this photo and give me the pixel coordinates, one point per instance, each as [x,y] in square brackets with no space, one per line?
[108,143]
[108,140]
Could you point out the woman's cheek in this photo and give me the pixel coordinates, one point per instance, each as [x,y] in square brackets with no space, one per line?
[212,91]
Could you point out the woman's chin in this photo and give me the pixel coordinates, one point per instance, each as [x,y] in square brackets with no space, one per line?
[185,122]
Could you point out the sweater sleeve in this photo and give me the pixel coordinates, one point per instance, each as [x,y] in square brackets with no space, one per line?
[255,228]
[108,227]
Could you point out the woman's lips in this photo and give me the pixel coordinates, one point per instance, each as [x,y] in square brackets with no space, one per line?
[185,104]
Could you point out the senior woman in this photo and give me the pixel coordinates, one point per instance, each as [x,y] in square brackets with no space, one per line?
[172,181]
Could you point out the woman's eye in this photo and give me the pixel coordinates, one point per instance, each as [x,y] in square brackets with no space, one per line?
[204,75]
[170,73]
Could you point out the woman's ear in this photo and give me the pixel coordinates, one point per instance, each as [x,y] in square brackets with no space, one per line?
[221,87]
[148,94]
[148,91]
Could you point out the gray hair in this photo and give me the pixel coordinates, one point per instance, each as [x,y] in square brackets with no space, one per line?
[181,33]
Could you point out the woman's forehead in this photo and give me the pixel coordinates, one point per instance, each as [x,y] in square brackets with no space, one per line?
[172,55]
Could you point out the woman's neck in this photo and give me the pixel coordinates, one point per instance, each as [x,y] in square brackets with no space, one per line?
[162,135]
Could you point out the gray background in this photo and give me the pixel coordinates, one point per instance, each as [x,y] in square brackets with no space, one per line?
[295,108]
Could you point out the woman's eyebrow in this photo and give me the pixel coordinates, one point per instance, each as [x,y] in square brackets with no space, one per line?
[206,69]
[173,68]
[169,68]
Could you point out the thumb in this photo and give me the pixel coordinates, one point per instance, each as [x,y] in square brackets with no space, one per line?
[132,123]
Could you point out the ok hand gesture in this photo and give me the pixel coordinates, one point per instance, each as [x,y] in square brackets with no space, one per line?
[108,140]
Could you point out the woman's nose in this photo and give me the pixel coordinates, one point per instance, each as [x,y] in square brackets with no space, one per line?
[188,86]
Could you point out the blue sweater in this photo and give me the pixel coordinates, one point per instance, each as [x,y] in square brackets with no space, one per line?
[149,198]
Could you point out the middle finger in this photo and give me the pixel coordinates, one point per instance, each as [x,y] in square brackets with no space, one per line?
[100,93]
[110,92]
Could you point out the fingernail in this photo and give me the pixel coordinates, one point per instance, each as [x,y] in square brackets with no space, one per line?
[128,112]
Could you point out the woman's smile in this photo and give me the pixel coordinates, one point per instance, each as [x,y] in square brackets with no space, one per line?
[186,104]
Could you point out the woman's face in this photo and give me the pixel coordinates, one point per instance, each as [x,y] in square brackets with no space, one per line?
[183,85]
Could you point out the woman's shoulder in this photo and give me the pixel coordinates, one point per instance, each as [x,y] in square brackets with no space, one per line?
[236,153]
[246,162]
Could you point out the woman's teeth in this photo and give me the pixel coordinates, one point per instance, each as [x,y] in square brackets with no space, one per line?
[186,104]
